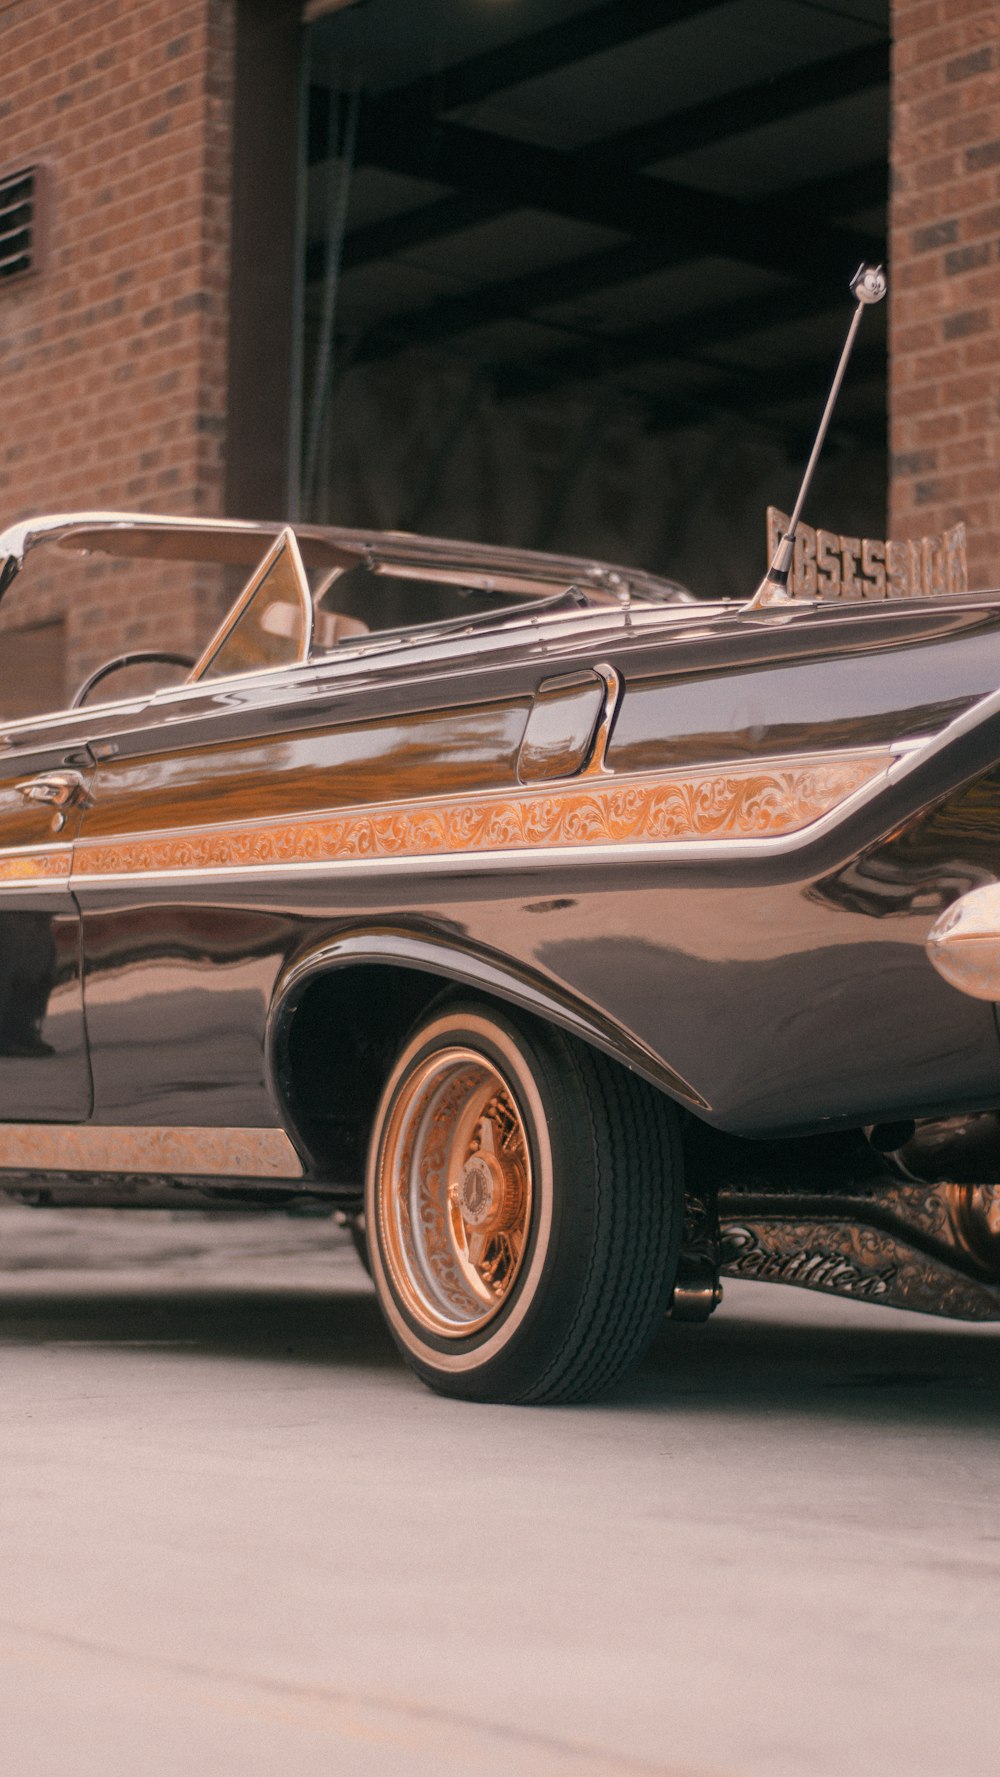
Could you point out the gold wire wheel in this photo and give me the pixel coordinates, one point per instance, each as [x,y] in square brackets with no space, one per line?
[454,1192]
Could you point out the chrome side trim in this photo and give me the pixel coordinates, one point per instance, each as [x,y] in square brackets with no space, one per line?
[196,1153]
[919,751]
[35,865]
[596,765]
[655,812]
[38,866]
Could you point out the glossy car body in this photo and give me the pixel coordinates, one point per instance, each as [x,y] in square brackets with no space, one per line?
[706,841]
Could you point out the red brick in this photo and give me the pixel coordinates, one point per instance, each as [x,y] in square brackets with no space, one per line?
[131,107]
[947,400]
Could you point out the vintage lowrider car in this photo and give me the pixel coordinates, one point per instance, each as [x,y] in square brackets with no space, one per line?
[589,941]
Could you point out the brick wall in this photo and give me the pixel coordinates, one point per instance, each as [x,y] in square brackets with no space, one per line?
[945,257]
[113,358]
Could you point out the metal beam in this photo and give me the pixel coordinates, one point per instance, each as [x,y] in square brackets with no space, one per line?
[584,34]
[671,223]
[522,175]
[694,127]
[860,187]
[398,234]
[603,354]
[747,108]
[758,232]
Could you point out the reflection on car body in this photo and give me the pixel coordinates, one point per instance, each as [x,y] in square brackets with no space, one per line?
[593,942]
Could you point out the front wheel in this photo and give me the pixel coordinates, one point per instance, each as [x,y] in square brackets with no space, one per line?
[523,1206]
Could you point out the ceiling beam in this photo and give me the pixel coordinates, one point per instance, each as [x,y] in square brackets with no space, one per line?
[680,226]
[669,222]
[747,108]
[412,228]
[697,126]
[450,215]
[858,188]
[583,34]
[519,298]
[604,354]
[522,175]
[494,175]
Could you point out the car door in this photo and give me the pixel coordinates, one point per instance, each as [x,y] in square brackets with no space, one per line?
[45,772]
[178,963]
[196,867]
[218,815]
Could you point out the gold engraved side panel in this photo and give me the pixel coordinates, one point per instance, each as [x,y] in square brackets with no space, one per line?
[463,751]
[41,864]
[197,1153]
[742,802]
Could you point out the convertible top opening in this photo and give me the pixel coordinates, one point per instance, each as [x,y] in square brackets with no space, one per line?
[400,554]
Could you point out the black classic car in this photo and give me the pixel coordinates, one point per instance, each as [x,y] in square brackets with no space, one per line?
[590,942]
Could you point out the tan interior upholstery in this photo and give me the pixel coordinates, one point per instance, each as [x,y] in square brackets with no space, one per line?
[331,627]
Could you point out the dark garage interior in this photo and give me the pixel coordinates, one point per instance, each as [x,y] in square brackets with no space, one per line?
[575,276]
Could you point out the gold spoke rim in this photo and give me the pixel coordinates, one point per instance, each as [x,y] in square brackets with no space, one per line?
[454,1192]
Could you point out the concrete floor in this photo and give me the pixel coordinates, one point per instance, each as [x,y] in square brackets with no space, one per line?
[236,1538]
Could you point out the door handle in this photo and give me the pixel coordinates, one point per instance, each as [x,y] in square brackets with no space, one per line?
[56,789]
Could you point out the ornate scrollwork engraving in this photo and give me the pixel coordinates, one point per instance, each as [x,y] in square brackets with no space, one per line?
[740,802]
[166,1152]
[697,1289]
[934,1248]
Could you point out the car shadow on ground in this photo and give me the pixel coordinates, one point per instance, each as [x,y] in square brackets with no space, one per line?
[877,1368]
[342,1329]
[881,1367]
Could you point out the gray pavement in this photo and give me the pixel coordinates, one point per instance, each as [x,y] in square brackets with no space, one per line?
[235,1537]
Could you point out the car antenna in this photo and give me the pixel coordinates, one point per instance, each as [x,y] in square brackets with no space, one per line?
[868,285]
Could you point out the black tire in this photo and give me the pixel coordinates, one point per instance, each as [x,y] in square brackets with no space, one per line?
[591,1238]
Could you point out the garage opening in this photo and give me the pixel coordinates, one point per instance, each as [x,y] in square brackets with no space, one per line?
[575,276]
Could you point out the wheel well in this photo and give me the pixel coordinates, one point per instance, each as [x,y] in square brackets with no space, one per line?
[335,1050]
[335,1039]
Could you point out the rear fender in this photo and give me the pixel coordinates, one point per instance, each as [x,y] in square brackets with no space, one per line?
[445,960]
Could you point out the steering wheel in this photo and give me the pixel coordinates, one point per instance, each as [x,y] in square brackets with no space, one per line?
[145,656]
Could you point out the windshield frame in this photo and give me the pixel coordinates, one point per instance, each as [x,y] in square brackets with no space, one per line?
[284,543]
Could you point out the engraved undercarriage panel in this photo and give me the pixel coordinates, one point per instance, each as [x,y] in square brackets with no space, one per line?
[750,801]
[932,1248]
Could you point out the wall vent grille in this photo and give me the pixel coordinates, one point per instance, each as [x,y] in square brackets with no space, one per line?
[20,223]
